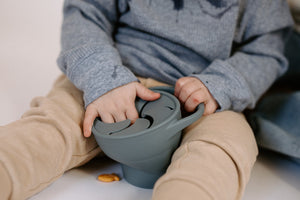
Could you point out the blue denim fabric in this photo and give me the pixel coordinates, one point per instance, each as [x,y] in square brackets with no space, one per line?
[276,118]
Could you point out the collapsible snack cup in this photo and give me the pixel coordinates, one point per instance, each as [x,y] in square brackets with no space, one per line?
[144,149]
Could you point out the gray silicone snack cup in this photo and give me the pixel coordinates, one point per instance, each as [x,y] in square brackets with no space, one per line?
[144,149]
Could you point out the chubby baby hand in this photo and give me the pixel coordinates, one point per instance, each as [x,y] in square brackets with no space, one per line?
[191,92]
[117,105]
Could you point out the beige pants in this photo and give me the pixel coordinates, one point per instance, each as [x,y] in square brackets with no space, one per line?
[214,160]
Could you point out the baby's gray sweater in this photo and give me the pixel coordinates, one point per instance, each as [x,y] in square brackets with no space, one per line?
[234,47]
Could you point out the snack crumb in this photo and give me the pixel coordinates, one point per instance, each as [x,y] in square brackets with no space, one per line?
[108,177]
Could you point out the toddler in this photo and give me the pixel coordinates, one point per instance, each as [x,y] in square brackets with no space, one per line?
[223,53]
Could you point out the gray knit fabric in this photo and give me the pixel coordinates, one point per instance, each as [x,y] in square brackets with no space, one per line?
[234,47]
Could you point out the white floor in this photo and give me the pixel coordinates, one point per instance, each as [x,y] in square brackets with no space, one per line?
[29,45]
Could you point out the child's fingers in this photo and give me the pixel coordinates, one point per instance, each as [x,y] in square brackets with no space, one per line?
[119,116]
[187,90]
[210,107]
[179,85]
[89,117]
[200,96]
[145,93]
[194,100]
[106,117]
[131,113]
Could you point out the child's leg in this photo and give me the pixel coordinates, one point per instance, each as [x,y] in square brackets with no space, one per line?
[214,160]
[44,143]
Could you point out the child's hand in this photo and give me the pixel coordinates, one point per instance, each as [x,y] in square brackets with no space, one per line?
[191,92]
[117,105]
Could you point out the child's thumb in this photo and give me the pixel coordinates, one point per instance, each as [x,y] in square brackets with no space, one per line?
[145,93]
